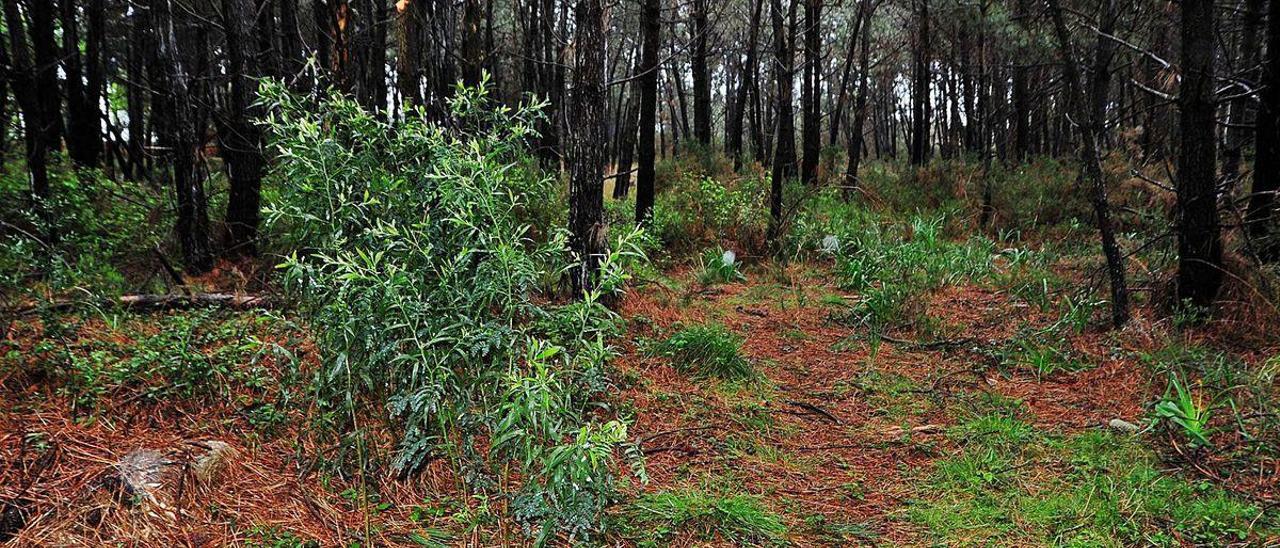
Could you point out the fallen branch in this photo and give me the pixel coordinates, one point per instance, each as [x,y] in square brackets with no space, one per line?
[814,410]
[151,303]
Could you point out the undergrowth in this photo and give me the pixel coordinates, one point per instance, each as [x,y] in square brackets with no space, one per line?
[707,351]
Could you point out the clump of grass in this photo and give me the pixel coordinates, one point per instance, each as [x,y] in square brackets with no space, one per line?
[707,351]
[740,519]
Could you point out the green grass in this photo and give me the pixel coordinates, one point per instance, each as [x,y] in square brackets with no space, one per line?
[707,351]
[1014,485]
[654,518]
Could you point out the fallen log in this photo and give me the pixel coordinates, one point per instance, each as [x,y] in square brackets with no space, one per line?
[152,303]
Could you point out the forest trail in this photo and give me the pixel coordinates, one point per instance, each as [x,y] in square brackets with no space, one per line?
[841,432]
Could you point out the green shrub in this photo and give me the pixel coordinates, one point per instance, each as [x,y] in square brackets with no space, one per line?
[420,274]
[707,351]
[720,266]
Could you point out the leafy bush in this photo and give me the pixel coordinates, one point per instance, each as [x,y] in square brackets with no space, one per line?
[420,274]
[707,351]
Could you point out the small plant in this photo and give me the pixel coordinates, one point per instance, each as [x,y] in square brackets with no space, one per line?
[720,266]
[707,351]
[1187,411]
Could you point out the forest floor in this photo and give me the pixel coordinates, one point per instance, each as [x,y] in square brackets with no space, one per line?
[945,429]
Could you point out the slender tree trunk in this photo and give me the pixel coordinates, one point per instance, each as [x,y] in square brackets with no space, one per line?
[292,56]
[1199,243]
[1092,116]
[865,9]
[49,93]
[1241,113]
[647,83]
[587,160]
[784,155]
[1260,219]
[84,138]
[135,93]
[701,75]
[180,129]
[810,97]
[733,123]
[37,124]
[837,112]
[1021,96]
[240,137]
[472,42]
[920,89]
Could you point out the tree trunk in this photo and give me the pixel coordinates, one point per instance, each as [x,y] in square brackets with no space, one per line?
[920,90]
[647,83]
[180,132]
[135,93]
[472,42]
[292,57]
[1199,243]
[701,75]
[587,234]
[37,124]
[1241,113]
[1092,116]
[837,112]
[784,154]
[1260,218]
[733,122]
[84,140]
[865,9]
[810,98]
[1021,97]
[48,92]
[240,138]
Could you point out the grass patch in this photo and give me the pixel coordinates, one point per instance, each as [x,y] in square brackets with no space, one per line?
[708,351]
[655,518]
[1014,485]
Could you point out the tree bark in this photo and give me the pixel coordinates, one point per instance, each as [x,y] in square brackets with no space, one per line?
[865,9]
[1260,218]
[472,42]
[1241,113]
[784,154]
[37,124]
[647,83]
[587,234]
[701,75]
[733,122]
[84,137]
[240,137]
[1021,96]
[920,89]
[1092,116]
[810,98]
[180,132]
[1199,243]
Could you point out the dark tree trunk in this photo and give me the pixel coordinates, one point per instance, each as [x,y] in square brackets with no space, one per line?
[179,125]
[292,56]
[733,122]
[784,153]
[647,83]
[472,42]
[837,112]
[376,58]
[701,75]
[1091,112]
[810,98]
[37,124]
[1260,218]
[920,90]
[84,139]
[1241,113]
[1199,243]
[136,94]
[47,58]
[1021,101]
[240,137]
[409,28]
[865,9]
[587,234]
[5,76]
